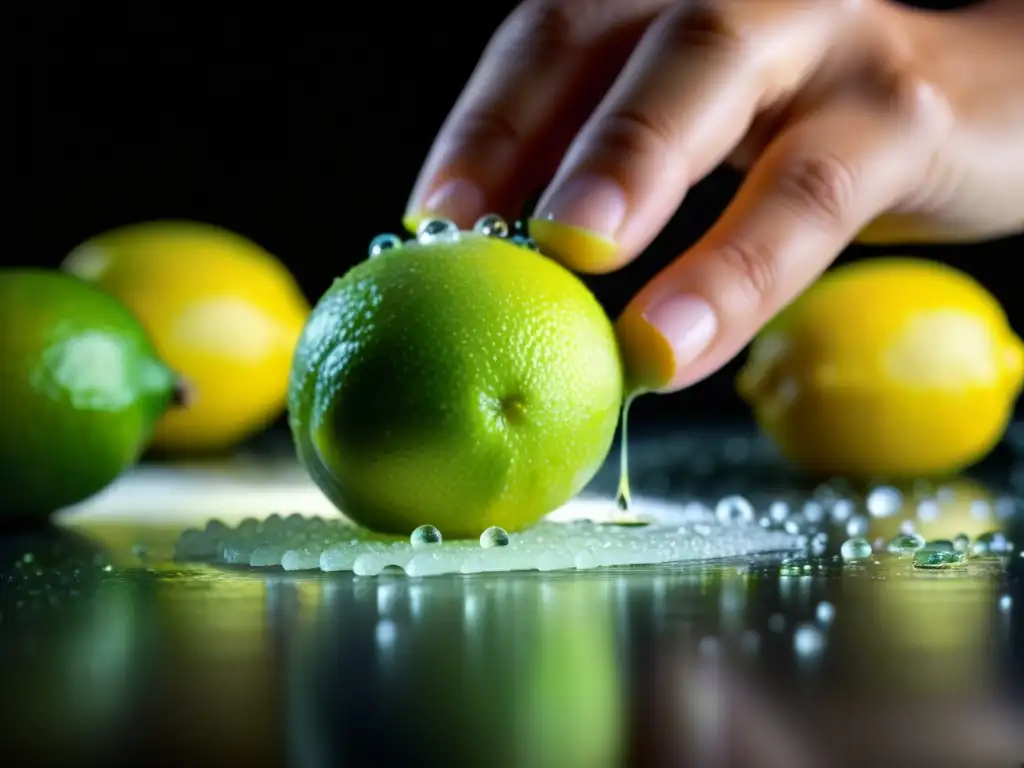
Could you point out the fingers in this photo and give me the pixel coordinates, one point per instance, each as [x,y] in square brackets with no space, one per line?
[683,102]
[817,185]
[541,74]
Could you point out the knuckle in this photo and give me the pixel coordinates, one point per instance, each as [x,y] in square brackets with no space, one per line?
[753,268]
[916,99]
[548,29]
[484,127]
[627,132]
[820,186]
[709,25]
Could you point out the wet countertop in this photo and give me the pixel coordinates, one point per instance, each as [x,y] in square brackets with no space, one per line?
[114,654]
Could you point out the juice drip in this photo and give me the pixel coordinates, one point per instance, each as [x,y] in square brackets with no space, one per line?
[622,498]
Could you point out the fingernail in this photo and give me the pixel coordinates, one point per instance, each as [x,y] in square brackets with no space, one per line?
[687,323]
[589,202]
[460,200]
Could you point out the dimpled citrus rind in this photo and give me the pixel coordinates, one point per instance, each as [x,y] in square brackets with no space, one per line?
[462,384]
[887,367]
[81,386]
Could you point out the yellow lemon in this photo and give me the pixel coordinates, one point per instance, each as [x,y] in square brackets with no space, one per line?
[887,367]
[462,383]
[221,311]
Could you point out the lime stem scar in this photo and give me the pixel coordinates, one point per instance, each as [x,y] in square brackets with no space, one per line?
[182,394]
[513,409]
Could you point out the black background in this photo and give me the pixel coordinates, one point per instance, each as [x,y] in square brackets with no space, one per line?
[301,127]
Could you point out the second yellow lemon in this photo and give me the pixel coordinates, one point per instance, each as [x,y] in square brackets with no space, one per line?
[221,311]
[893,367]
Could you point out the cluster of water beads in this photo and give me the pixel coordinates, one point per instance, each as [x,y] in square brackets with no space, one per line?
[678,533]
[440,230]
[937,553]
[834,509]
[805,525]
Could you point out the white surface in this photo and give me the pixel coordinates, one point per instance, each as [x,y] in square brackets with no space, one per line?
[193,494]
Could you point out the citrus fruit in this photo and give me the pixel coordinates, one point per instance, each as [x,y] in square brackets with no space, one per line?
[222,312]
[886,367]
[463,383]
[81,385]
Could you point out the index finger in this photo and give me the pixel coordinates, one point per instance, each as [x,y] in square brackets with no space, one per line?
[545,69]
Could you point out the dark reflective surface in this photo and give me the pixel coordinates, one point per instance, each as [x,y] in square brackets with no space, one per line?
[114,655]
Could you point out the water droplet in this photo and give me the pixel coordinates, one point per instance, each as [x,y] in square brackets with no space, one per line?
[1005,507]
[819,543]
[382,243]
[930,557]
[857,526]
[734,509]
[437,231]
[28,558]
[944,545]
[884,501]
[140,550]
[813,512]
[794,525]
[962,542]
[778,511]
[524,242]
[980,509]
[841,510]
[808,641]
[494,537]
[425,536]
[991,543]
[906,543]
[825,613]
[1005,603]
[928,510]
[491,225]
[855,549]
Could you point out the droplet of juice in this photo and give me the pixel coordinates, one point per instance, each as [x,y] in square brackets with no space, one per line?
[623,498]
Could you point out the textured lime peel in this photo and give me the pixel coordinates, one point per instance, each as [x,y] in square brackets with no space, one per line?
[573,538]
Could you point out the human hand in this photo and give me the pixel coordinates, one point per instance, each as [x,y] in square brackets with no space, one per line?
[849,117]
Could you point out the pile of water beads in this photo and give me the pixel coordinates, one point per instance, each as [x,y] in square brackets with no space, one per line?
[936,554]
[658,533]
[816,534]
[445,231]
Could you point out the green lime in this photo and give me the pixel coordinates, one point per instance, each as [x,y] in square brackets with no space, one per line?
[81,387]
[462,384]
